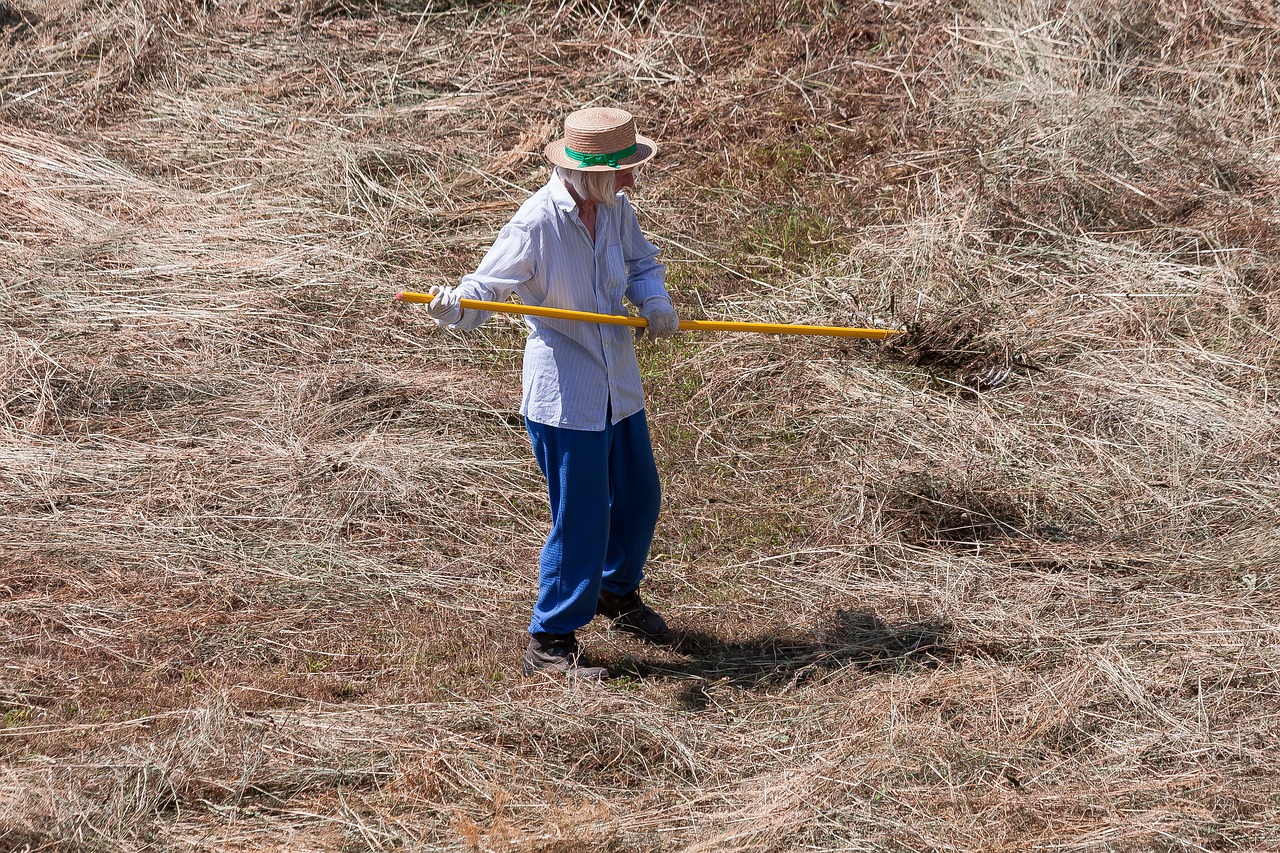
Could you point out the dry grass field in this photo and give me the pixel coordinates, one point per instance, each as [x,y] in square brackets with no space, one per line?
[268,541]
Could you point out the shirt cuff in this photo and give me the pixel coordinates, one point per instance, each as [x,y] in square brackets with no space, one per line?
[664,297]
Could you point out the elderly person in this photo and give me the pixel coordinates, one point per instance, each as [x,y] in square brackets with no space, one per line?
[576,244]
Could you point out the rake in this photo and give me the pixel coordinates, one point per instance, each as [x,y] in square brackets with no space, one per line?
[640,322]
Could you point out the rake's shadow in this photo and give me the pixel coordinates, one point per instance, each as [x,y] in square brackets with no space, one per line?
[770,662]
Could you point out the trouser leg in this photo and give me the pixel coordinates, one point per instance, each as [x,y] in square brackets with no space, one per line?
[576,465]
[635,496]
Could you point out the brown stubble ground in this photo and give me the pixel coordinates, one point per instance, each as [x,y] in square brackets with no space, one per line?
[270,544]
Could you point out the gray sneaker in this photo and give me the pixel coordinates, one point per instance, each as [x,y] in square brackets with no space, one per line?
[558,653]
[629,613]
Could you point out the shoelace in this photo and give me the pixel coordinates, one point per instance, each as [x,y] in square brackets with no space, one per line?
[629,602]
[565,647]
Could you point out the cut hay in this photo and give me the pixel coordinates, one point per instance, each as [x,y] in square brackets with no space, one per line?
[270,542]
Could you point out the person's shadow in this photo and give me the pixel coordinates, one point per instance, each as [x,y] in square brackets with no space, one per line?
[773,661]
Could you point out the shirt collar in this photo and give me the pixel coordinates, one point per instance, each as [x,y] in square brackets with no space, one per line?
[560,194]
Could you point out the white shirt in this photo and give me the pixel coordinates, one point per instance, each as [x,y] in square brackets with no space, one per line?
[573,371]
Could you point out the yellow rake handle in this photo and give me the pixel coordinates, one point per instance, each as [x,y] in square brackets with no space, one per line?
[640,322]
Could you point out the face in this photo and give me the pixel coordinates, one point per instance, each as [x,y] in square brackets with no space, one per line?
[624,179]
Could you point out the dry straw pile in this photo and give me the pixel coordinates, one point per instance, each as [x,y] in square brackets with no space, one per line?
[267,543]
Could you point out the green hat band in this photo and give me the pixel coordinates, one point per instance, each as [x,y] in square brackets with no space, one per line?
[611,159]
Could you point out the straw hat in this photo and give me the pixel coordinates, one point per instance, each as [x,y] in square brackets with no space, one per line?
[598,139]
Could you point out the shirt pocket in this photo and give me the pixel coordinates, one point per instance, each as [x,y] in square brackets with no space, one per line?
[613,276]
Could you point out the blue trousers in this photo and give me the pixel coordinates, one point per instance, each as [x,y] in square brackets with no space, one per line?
[604,506]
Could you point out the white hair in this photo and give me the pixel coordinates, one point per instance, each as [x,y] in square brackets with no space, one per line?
[593,186]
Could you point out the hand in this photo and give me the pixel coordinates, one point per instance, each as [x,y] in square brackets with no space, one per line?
[663,322]
[446,306]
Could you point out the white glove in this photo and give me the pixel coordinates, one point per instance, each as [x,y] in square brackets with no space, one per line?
[663,322]
[446,306]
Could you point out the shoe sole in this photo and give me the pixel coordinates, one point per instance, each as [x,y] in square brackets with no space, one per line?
[589,673]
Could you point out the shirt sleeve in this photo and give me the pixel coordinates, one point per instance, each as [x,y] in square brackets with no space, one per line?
[646,278]
[508,263]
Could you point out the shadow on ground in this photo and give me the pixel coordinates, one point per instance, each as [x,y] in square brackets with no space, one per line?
[771,662]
